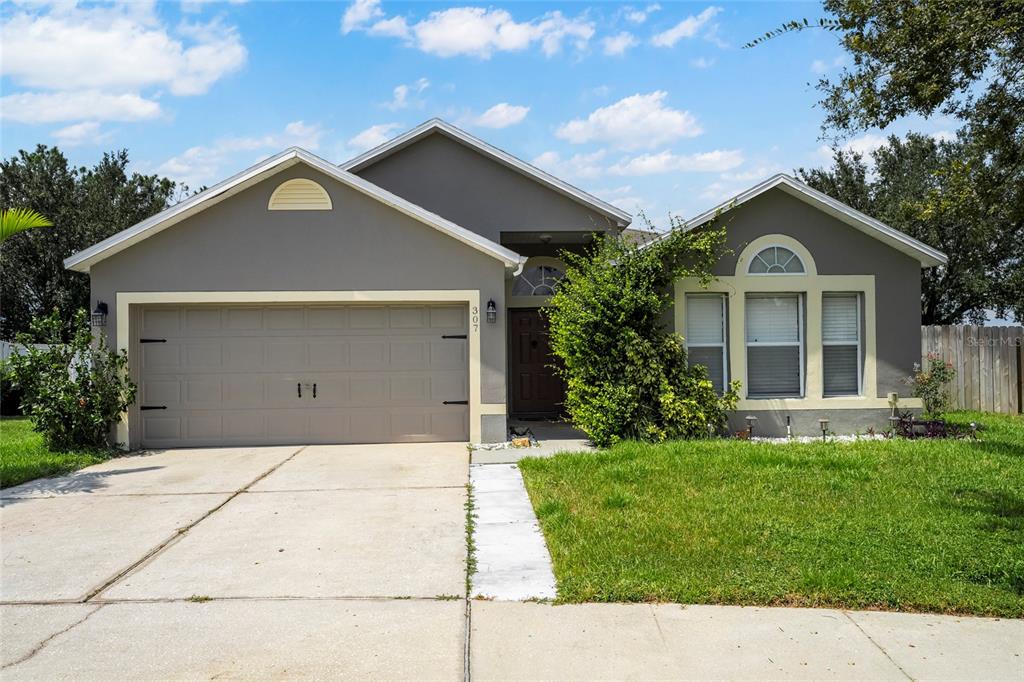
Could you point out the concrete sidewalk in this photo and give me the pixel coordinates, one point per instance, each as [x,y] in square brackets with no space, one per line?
[517,641]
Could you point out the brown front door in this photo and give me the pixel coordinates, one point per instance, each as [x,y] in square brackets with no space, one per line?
[536,390]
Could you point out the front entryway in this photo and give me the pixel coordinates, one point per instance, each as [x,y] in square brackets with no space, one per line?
[536,391]
[264,374]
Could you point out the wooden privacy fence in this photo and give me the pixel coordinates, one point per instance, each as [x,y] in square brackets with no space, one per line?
[987,360]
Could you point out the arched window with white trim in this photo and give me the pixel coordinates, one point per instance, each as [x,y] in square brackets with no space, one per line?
[776,260]
[537,280]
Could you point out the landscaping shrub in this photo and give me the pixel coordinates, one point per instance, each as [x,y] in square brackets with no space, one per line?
[626,376]
[74,391]
[931,384]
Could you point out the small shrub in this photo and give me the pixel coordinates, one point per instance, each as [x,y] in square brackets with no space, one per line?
[931,384]
[626,376]
[74,391]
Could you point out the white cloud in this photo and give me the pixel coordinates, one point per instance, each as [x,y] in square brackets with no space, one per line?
[205,165]
[618,44]
[576,166]
[116,49]
[473,31]
[639,16]
[666,161]
[943,136]
[395,27]
[818,66]
[865,145]
[754,174]
[360,13]
[702,63]
[400,95]
[86,132]
[373,136]
[193,6]
[52,107]
[635,122]
[501,115]
[687,28]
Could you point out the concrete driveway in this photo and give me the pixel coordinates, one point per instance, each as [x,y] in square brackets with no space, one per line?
[303,562]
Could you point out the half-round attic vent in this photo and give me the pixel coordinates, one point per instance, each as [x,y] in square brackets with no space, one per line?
[299,194]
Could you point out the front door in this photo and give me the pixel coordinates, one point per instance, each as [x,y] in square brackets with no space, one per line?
[536,390]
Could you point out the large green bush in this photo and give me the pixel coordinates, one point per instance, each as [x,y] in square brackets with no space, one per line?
[626,375]
[74,391]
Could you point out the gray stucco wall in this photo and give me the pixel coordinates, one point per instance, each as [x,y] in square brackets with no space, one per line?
[476,192]
[839,249]
[238,245]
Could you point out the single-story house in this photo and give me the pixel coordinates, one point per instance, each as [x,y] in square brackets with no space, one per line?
[395,298]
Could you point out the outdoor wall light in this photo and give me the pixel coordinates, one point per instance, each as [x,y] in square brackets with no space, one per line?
[99,316]
[492,312]
[751,422]
[823,423]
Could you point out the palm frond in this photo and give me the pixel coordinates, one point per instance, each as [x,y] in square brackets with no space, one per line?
[15,220]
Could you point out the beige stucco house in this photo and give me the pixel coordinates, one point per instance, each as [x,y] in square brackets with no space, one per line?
[395,298]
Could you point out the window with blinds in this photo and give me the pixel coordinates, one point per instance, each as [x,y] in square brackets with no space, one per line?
[841,341]
[775,345]
[705,336]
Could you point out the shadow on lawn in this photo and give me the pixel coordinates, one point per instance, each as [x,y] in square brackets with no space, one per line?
[77,482]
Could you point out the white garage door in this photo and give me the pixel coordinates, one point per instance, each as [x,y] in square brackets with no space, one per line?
[225,375]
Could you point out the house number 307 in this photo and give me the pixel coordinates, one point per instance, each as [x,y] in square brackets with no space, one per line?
[475,318]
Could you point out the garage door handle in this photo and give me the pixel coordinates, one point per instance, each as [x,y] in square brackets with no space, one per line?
[453,336]
[152,340]
[314,391]
[455,402]
[153,407]
[298,386]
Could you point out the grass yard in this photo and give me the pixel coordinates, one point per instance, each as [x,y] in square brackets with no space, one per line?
[908,525]
[24,455]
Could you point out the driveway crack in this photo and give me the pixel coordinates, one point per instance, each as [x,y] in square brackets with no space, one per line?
[186,528]
[42,645]
[877,645]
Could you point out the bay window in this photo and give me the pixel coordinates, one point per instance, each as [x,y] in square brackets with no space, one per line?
[841,344]
[706,337]
[775,345]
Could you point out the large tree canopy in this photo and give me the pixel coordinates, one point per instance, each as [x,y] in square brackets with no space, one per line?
[85,206]
[929,190]
[962,59]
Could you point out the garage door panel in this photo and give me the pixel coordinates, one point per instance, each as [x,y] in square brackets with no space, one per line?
[231,374]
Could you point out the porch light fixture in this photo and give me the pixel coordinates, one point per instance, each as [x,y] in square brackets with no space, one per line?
[99,315]
[823,423]
[492,312]
[751,423]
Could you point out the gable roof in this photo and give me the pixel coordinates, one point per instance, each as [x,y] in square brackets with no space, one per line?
[926,255]
[86,258]
[436,125]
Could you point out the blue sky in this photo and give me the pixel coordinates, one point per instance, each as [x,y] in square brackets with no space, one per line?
[652,106]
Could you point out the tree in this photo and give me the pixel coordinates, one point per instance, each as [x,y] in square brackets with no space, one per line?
[930,190]
[15,220]
[85,206]
[959,58]
[626,376]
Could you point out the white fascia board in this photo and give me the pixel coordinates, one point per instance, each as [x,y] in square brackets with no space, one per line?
[84,259]
[904,243]
[621,217]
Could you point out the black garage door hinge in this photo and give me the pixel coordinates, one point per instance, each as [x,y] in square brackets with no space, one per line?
[152,340]
[453,336]
[455,402]
[153,407]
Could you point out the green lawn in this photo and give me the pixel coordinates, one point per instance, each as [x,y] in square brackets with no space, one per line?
[908,525]
[24,456]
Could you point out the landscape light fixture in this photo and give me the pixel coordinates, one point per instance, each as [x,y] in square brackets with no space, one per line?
[823,423]
[99,315]
[751,421]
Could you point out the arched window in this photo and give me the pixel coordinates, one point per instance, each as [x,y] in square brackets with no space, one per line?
[776,260]
[538,280]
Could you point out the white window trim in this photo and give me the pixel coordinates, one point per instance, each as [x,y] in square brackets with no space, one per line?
[724,345]
[764,248]
[787,344]
[860,342]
